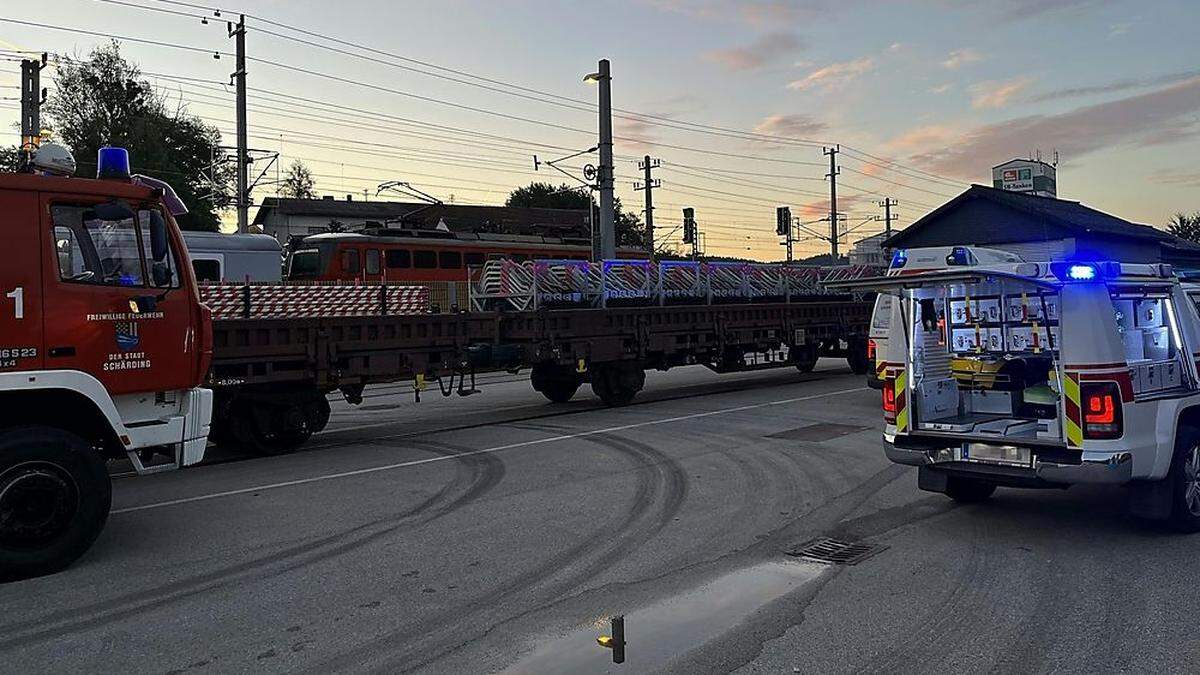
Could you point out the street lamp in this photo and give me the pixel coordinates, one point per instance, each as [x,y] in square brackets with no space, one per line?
[607,248]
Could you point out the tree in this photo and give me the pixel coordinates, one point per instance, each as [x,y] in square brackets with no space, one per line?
[1185,227]
[630,231]
[103,100]
[10,157]
[298,183]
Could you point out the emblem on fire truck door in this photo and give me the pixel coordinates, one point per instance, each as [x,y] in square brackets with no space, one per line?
[126,335]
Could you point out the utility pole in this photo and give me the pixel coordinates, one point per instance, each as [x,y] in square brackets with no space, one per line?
[32,97]
[887,205]
[608,235]
[648,184]
[833,211]
[238,32]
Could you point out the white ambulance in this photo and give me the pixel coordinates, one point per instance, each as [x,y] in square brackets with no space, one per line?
[1045,375]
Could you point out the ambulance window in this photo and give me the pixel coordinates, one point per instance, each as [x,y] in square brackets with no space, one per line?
[157,241]
[97,245]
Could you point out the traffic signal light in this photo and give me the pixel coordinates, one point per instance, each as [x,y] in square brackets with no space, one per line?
[689,225]
[783,220]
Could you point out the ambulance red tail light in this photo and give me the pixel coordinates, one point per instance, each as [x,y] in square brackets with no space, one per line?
[889,400]
[1102,419]
[871,349]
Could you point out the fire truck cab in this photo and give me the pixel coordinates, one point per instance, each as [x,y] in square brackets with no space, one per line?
[1046,375]
[103,346]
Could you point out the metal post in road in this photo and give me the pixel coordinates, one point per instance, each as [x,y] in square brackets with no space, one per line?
[608,238]
[833,212]
[242,200]
[648,184]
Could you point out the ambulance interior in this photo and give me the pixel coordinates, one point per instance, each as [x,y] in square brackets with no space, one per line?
[984,359]
[985,356]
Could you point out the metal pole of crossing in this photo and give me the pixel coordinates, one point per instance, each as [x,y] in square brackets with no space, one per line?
[608,238]
[833,212]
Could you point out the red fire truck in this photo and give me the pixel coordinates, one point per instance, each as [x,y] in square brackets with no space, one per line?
[103,343]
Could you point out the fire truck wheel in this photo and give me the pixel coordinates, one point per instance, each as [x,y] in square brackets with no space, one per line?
[968,490]
[1185,481]
[55,495]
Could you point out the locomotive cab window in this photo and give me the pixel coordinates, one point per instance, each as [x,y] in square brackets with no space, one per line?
[350,261]
[373,261]
[398,258]
[425,260]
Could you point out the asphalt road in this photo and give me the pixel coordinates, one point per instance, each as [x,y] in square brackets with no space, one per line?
[498,533]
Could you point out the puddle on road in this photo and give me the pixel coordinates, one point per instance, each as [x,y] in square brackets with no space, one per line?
[657,633]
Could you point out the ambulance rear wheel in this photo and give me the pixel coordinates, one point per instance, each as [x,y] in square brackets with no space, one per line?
[55,495]
[1184,477]
[968,490]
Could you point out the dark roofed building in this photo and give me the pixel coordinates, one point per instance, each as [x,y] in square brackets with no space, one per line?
[1042,228]
[283,218]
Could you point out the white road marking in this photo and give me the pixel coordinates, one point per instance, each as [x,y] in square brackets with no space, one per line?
[498,448]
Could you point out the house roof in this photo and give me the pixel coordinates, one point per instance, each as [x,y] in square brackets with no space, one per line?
[457,217]
[1072,218]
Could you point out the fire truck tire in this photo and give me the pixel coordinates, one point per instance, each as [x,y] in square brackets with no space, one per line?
[968,490]
[1184,477]
[55,495]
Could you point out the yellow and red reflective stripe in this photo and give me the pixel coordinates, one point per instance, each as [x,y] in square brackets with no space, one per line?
[901,389]
[1074,410]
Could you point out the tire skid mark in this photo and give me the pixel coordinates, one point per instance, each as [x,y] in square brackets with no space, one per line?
[932,627]
[659,493]
[474,476]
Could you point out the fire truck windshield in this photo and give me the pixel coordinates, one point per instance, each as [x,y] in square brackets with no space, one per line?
[99,245]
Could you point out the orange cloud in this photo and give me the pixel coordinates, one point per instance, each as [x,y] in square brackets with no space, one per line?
[835,74]
[997,94]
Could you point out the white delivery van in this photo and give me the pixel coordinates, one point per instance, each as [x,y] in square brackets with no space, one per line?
[1045,375]
[915,261]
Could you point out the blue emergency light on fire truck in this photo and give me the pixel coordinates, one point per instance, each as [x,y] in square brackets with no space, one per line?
[1042,374]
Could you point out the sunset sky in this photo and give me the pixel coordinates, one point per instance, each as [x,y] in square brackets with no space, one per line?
[924,96]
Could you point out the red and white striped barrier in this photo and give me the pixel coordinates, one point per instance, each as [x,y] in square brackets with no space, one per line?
[228,301]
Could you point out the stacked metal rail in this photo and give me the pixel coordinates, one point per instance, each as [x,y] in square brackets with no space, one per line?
[519,286]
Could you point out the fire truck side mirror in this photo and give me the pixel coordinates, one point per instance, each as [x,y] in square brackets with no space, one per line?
[158,239]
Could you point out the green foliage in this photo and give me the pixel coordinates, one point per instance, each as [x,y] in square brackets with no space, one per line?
[298,183]
[1185,226]
[10,157]
[103,100]
[630,231]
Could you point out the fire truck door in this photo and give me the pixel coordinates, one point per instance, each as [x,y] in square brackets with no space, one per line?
[116,309]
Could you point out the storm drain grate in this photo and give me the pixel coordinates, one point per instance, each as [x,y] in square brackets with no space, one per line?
[835,552]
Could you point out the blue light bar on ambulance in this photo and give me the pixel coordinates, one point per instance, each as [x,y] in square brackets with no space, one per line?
[959,255]
[899,258]
[1081,272]
[1084,271]
[112,163]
